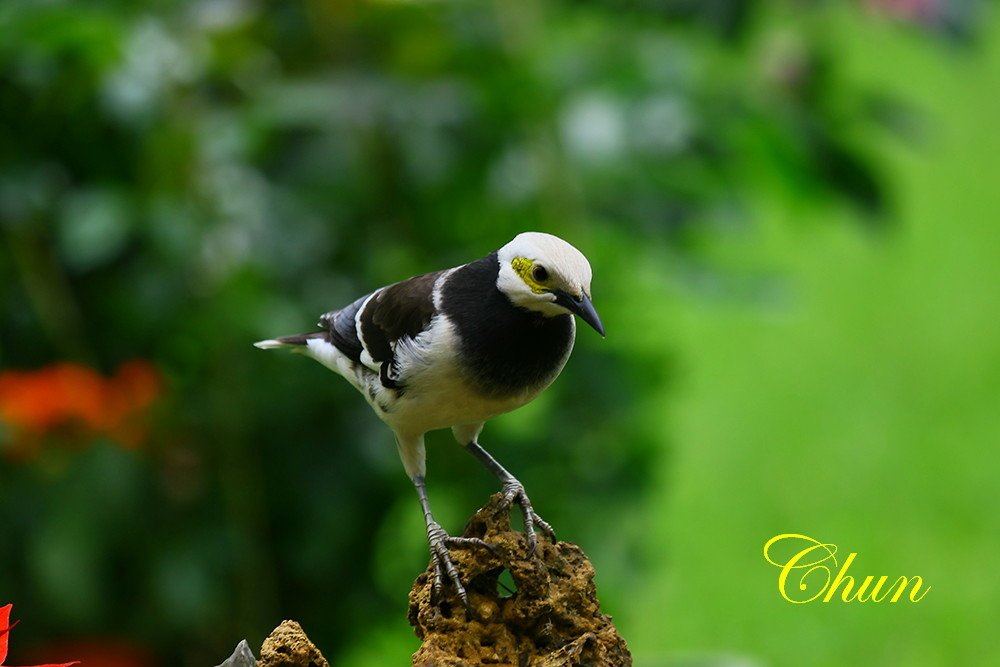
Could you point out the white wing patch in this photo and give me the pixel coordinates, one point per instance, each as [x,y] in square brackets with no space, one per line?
[413,356]
[366,357]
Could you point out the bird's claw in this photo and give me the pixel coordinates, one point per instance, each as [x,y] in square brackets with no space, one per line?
[444,568]
[513,492]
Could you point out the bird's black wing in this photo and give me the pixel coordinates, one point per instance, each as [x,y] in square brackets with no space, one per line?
[401,310]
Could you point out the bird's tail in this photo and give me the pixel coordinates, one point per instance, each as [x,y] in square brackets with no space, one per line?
[298,340]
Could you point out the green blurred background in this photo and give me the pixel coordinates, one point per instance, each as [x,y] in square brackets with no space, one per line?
[790,208]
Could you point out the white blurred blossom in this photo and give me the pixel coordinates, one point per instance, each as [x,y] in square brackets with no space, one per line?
[594,127]
[153,60]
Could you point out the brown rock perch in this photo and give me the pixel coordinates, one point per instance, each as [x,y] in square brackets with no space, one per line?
[288,646]
[553,619]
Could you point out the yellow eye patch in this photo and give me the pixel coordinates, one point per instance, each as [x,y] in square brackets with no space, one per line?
[522,266]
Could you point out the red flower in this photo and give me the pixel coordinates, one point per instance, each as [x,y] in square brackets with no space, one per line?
[5,628]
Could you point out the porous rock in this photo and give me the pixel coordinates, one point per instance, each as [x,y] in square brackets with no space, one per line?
[288,646]
[552,619]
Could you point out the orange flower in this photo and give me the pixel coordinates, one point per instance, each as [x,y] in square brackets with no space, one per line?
[67,398]
[130,394]
[38,401]
[102,652]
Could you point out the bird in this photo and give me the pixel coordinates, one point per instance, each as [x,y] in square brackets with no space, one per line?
[455,348]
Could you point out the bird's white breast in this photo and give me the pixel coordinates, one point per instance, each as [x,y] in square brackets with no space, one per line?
[438,393]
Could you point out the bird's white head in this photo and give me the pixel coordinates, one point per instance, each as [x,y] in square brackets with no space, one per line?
[543,273]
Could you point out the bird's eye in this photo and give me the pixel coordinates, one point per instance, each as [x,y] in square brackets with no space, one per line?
[539,274]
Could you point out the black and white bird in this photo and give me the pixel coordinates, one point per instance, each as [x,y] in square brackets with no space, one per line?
[455,348]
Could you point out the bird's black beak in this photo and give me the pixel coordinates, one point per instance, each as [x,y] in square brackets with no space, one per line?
[582,307]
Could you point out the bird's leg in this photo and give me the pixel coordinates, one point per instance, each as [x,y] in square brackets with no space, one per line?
[513,492]
[439,541]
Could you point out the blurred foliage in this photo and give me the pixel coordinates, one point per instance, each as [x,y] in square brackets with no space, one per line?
[178,179]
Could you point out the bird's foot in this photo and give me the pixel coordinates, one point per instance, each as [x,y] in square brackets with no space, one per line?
[513,492]
[439,541]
